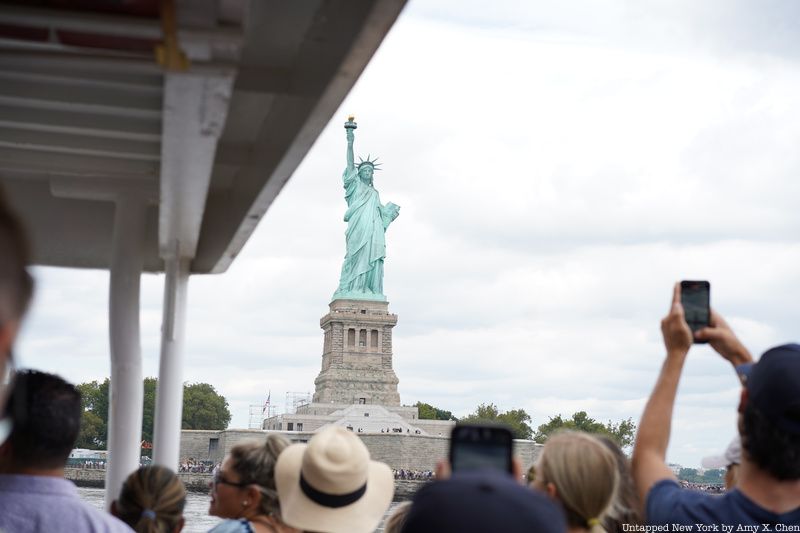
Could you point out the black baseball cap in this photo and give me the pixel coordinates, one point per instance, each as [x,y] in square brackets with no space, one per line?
[480,501]
[773,386]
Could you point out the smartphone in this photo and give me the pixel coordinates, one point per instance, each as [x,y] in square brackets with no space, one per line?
[475,447]
[695,298]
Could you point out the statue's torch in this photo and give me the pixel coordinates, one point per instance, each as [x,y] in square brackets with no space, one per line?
[350,124]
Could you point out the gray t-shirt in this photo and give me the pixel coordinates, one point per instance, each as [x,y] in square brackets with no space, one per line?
[34,504]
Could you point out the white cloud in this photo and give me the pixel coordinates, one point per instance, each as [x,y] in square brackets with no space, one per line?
[557,173]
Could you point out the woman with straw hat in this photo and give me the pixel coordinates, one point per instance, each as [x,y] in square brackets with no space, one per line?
[330,485]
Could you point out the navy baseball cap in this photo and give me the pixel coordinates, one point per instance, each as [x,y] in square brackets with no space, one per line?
[479,501]
[773,386]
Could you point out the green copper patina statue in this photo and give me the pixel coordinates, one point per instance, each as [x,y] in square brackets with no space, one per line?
[367,220]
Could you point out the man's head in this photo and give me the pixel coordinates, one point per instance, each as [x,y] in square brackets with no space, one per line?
[482,500]
[45,412]
[770,413]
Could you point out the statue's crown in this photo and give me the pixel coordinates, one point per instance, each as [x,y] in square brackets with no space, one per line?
[371,162]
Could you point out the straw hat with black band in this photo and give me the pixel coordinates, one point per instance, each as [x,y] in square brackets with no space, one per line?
[330,485]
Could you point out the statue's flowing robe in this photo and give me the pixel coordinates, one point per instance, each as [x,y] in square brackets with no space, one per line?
[367,220]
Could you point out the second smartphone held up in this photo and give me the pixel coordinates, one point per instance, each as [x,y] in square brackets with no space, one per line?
[481,446]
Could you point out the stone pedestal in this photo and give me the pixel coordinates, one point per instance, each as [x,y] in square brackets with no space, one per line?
[357,355]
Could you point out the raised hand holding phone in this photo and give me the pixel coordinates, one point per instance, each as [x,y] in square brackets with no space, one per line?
[724,341]
[676,332]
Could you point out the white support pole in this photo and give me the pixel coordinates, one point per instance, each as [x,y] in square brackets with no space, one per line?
[169,395]
[126,391]
[194,110]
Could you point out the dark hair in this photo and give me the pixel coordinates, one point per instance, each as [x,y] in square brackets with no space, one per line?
[625,505]
[151,500]
[773,450]
[16,285]
[45,412]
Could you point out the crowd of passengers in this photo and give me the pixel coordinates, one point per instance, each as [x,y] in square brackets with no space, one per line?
[713,488]
[404,473]
[99,464]
[197,467]
[580,482]
[91,464]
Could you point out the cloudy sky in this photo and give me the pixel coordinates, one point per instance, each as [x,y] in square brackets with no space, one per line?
[559,166]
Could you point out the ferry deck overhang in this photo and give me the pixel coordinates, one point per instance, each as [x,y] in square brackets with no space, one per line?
[152,136]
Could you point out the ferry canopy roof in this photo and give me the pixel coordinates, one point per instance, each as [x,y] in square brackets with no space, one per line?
[202,108]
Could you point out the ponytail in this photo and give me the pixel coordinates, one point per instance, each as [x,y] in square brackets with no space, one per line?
[152,500]
[595,525]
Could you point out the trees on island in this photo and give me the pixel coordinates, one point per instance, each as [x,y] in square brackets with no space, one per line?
[518,420]
[711,477]
[203,408]
[429,412]
[622,432]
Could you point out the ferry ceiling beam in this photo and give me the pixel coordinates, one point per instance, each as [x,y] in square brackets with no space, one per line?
[200,43]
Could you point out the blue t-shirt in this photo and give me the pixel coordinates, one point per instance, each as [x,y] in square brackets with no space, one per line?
[240,525]
[668,503]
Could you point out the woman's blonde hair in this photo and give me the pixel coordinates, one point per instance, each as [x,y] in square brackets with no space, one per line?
[151,500]
[584,473]
[255,463]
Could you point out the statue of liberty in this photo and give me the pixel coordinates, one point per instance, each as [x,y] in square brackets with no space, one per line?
[367,220]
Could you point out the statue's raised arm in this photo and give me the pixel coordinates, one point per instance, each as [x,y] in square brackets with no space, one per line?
[349,127]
